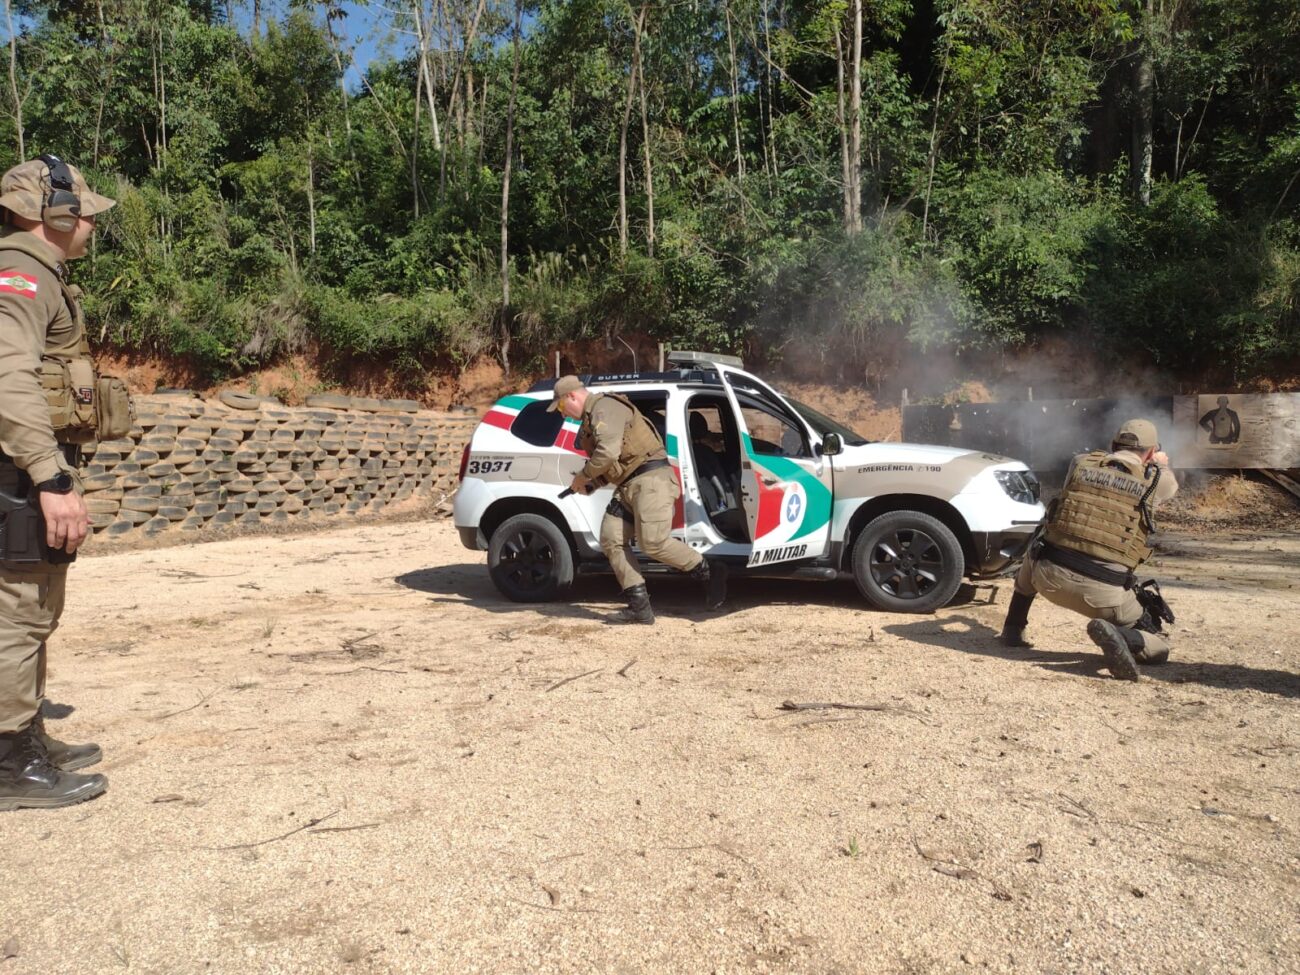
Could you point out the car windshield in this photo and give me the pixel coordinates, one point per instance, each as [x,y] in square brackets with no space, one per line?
[824,424]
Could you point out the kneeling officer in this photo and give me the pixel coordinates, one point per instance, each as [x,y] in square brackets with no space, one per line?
[624,449]
[1096,536]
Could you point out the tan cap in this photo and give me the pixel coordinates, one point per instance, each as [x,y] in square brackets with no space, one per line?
[563,387]
[1140,434]
[24,189]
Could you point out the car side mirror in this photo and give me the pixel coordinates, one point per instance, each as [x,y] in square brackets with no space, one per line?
[832,444]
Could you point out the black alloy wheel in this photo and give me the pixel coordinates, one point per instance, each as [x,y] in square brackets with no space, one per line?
[907,561]
[529,559]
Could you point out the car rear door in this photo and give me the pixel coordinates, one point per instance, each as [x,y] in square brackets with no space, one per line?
[786,483]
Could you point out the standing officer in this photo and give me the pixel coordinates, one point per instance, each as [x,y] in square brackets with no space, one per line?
[1096,536]
[47,409]
[625,450]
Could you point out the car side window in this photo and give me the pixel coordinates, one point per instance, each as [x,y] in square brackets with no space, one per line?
[773,434]
[537,425]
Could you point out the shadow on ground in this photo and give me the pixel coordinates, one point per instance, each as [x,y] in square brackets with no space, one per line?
[673,595]
[979,638]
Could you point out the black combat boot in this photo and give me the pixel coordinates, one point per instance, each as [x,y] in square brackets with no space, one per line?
[713,574]
[1013,627]
[65,756]
[638,607]
[1115,644]
[29,781]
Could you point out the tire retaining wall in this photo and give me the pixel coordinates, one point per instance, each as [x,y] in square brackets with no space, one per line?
[191,464]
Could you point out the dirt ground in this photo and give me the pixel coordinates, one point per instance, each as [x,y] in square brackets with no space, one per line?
[343,751]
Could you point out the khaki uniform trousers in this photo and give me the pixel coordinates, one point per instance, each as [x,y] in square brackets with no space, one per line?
[31,602]
[649,499]
[1087,597]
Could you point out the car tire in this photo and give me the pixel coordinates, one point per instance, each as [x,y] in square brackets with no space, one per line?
[328,401]
[246,401]
[908,562]
[529,559]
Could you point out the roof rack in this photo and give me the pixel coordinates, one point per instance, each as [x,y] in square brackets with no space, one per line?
[702,377]
[685,357]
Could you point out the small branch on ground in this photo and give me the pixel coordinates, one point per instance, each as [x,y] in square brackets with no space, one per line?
[201,701]
[275,839]
[548,907]
[622,672]
[342,829]
[570,680]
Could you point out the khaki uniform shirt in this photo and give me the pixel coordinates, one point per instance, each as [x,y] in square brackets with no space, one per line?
[34,317]
[609,421]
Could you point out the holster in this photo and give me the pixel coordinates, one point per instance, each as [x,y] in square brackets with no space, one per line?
[22,529]
[1154,607]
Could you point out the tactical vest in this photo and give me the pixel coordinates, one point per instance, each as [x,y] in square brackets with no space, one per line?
[83,407]
[641,442]
[1102,511]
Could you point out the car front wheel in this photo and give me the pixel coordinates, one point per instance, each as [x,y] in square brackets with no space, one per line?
[908,562]
[529,559]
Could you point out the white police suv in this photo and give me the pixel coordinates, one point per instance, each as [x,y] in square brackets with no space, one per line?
[770,485]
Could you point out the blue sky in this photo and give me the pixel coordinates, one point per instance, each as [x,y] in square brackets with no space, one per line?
[367,30]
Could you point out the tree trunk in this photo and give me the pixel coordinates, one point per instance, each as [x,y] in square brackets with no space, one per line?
[505,197]
[336,48]
[415,148]
[735,93]
[1143,82]
[311,197]
[645,135]
[422,36]
[841,118]
[622,138]
[855,123]
[13,82]
[767,75]
[465,113]
[934,146]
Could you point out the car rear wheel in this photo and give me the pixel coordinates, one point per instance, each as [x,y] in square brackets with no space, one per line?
[908,562]
[529,559]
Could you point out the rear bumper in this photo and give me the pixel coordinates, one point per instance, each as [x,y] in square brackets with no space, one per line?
[997,552]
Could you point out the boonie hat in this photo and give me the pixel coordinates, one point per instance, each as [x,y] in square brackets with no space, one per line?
[563,387]
[24,188]
[1137,433]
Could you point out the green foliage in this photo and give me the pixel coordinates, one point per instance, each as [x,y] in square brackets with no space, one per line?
[265,207]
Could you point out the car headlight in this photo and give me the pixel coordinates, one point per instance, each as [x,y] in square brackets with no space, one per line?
[1020,486]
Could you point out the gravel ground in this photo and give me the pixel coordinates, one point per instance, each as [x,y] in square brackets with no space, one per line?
[344,752]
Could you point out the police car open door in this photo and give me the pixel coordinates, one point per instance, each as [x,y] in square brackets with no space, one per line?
[785,481]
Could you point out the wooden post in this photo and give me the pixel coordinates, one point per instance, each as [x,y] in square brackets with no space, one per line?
[661,357]
[557,363]
[1031,394]
[904,402]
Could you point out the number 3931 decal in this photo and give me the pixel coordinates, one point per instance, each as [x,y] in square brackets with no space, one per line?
[487,465]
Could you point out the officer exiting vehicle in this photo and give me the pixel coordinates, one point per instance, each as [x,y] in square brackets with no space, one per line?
[50,404]
[625,450]
[1095,538]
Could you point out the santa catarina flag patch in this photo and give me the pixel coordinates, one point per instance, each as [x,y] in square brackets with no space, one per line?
[17,283]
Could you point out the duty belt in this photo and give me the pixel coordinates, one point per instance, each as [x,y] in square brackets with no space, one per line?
[1085,565]
[646,468]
